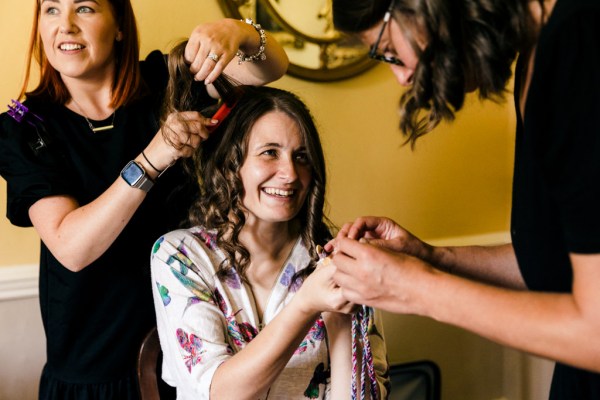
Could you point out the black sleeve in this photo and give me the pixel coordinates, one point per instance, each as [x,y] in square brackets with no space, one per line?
[30,175]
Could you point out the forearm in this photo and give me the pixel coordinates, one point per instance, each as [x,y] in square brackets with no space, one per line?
[491,264]
[251,372]
[563,327]
[78,235]
[339,335]
[549,325]
[261,71]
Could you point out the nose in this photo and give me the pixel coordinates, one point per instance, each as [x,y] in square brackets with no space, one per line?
[404,75]
[288,169]
[67,24]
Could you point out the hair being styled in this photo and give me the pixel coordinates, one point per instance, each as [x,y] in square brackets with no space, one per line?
[127,83]
[470,44]
[218,161]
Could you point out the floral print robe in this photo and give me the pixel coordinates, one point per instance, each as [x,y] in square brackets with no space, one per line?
[203,320]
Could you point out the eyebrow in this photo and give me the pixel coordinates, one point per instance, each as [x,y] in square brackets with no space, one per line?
[260,146]
[75,1]
[279,146]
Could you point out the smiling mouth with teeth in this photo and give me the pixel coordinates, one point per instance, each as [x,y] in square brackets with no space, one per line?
[70,47]
[279,192]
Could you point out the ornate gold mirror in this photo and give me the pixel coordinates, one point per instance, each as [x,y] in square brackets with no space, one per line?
[317,52]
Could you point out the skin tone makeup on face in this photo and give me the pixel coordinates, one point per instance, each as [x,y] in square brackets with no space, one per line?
[79,37]
[394,48]
[276,173]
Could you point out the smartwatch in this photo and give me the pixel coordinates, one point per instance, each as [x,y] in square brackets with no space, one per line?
[135,176]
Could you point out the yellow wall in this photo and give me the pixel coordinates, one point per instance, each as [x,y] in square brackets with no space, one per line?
[17,245]
[456,183]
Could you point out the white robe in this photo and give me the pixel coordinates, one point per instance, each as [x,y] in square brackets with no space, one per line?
[203,320]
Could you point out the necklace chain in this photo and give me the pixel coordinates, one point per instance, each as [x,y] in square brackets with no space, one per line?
[96,128]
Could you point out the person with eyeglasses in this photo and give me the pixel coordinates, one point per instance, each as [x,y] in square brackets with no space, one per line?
[403,58]
[540,293]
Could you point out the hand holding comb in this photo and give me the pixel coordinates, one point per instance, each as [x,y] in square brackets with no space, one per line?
[230,94]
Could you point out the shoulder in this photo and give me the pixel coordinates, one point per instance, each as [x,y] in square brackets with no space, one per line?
[176,239]
[182,257]
[568,8]
[187,247]
[32,162]
[154,71]
[25,132]
[10,123]
[573,14]
[568,43]
[7,125]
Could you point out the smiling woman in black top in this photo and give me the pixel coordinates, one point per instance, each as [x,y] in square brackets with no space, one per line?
[99,189]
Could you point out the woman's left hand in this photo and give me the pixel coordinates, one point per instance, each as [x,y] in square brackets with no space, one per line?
[319,293]
[211,47]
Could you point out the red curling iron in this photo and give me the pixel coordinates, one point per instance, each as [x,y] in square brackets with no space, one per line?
[230,93]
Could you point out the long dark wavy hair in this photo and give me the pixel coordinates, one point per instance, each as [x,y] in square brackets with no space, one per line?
[216,164]
[470,44]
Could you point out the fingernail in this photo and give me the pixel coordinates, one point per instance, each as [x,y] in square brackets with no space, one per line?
[214,121]
[321,251]
[363,240]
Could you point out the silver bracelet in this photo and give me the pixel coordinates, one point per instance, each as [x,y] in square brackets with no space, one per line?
[260,54]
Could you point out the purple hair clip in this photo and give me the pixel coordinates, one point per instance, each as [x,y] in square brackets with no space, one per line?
[19,112]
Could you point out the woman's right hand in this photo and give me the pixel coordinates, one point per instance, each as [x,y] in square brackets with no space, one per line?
[386,233]
[180,136]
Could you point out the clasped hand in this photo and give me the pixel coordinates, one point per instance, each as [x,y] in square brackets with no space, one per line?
[379,263]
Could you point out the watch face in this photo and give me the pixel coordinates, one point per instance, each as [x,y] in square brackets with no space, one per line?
[132,173]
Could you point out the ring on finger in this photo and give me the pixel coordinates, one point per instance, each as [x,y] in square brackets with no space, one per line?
[213,56]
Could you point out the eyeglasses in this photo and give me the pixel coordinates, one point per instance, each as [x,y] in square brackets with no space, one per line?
[373,52]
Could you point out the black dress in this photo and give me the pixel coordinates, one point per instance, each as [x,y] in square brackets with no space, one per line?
[95,319]
[556,189]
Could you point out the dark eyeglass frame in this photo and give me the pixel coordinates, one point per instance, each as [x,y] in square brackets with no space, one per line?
[373,51]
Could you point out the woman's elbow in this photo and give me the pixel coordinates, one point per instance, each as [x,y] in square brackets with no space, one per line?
[72,261]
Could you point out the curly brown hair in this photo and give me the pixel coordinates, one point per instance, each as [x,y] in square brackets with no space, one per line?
[216,164]
[471,44]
